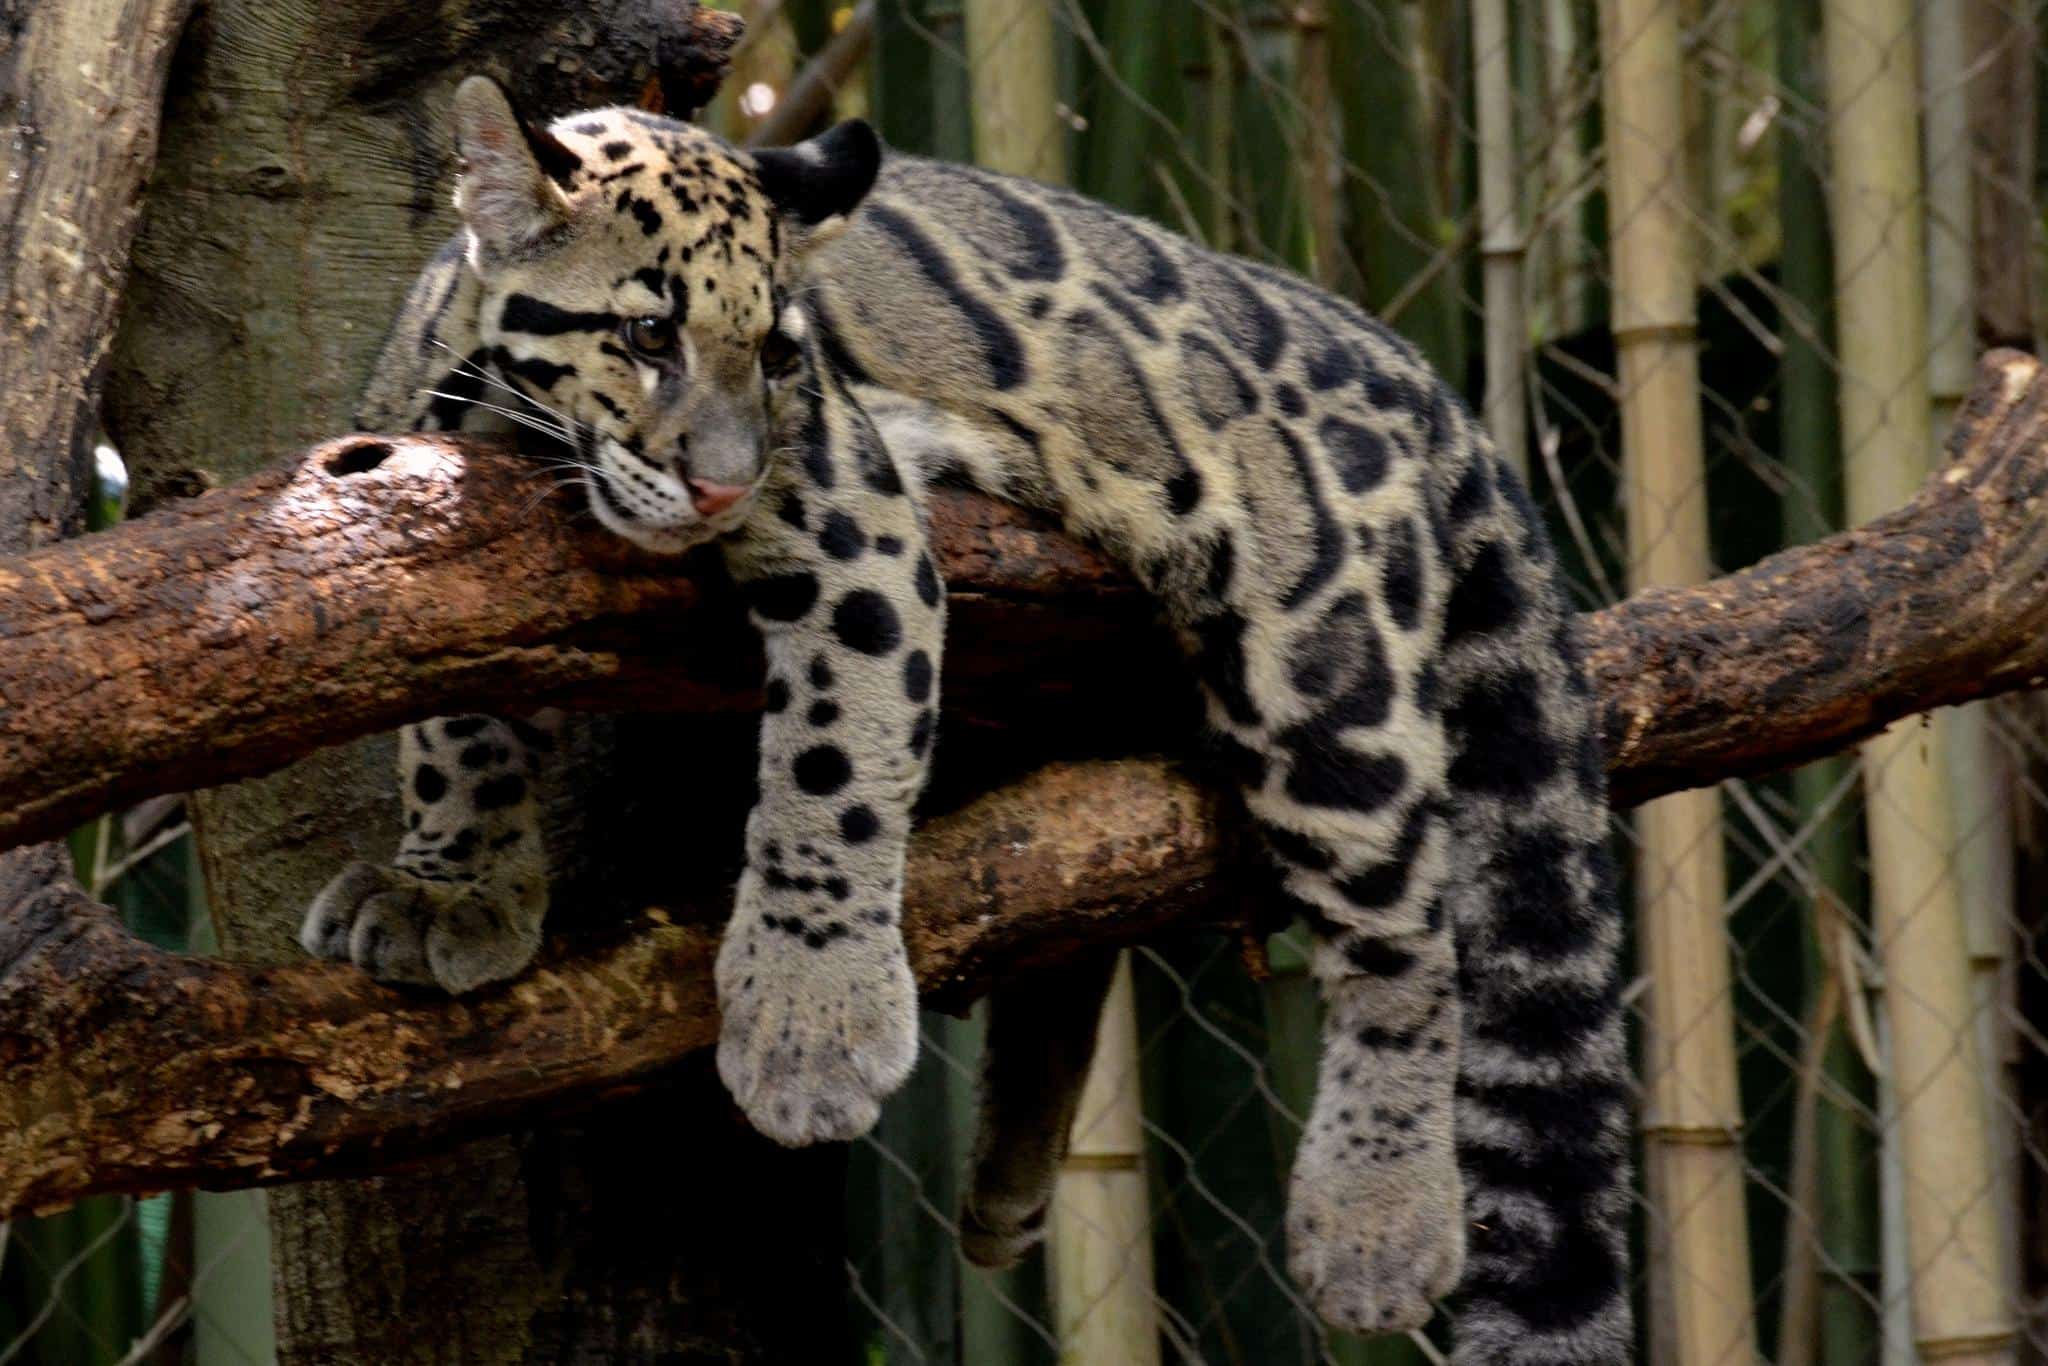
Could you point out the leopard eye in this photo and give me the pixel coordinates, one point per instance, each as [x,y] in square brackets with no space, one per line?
[779,354]
[651,336]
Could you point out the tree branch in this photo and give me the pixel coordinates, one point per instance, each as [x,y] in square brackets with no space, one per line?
[382,579]
[1942,602]
[379,580]
[129,1068]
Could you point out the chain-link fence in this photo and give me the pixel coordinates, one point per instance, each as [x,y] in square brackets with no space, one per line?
[171,1278]
[1792,225]
[1766,240]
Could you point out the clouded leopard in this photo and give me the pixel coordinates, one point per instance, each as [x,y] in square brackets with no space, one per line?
[781,351]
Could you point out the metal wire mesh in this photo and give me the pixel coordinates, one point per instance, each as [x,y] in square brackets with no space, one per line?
[1372,183]
[178,1277]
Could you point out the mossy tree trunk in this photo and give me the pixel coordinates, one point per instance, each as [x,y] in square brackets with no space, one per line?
[303,179]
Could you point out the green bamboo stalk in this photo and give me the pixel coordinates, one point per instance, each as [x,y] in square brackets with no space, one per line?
[1219,105]
[917,78]
[1396,219]
[1809,443]
[1558,252]
[900,103]
[1137,150]
[1977,772]
[911,1259]
[232,1313]
[1271,221]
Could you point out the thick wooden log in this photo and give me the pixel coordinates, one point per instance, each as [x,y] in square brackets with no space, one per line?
[377,580]
[128,1068]
[131,1069]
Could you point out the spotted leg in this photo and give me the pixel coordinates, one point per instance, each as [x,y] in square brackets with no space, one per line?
[462,902]
[1343,772]
[820,1009]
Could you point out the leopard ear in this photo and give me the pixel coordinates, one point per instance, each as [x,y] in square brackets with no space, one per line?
[509,192]
[819,183]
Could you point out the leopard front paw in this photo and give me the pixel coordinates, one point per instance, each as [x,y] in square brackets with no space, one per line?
[1375,1222]
[812,1045]
[399,927]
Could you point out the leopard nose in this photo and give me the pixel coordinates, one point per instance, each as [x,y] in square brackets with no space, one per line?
[711,499]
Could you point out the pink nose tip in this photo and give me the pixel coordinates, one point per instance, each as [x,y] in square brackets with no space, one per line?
[711,499]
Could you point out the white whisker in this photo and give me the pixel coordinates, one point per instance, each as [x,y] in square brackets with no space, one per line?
[509,414]
[463,365]
[542,495]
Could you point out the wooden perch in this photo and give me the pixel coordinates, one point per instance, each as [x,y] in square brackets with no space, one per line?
[378,580]
[128,1068]
[382,579]
[1939,603]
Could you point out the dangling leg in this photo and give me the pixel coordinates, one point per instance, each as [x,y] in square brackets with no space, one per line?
[1041,1038]
[1342,766]
[1376,1206]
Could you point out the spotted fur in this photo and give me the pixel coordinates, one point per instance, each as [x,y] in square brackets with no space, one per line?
[1366,597]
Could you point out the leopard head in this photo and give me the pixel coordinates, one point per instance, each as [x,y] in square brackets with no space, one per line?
[637,277]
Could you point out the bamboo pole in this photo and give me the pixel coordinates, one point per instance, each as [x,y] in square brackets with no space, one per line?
[1319,120]
[2004,104]
[1219,110]
[1397,213]
[1502,245]
[1699,1263]
[1559,251]
[1976,762]
[1101,1225]
[1013,73]
[1951,216]
[1101,1233]
[1960,1310]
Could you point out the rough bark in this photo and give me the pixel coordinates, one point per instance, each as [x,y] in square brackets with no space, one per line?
[302,180]
[80,87]
[382,579]
[130,1068]
[226,635]
[1938,603]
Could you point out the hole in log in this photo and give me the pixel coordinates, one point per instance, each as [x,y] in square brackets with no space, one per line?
[359,457]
